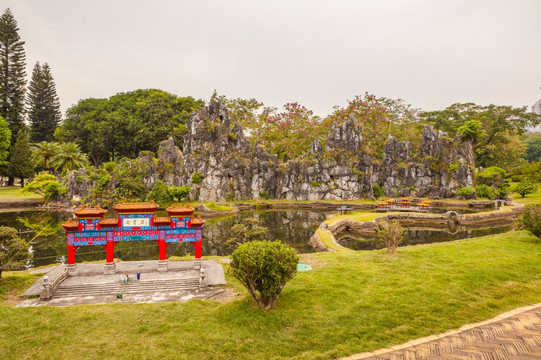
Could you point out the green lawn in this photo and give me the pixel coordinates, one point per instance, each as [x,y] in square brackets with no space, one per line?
[530,198]
[350,302]
[10,193]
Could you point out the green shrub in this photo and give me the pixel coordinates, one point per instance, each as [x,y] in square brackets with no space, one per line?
[491,176]
[391,234]
[524,188]
[103,181]
[484,191]
[110,166]
[378,191]
[516,178]
[465,191]
[53,190]
[179,192]
[13,250]
[230,197]
[264,268]
[264,195]
[315,184]
[197,178]
[454,167]
[531,219]
[160,194]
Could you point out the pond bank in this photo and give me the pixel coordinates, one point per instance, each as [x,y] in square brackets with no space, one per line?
[324,239]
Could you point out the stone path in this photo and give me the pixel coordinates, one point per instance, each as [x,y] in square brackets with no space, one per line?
[512,335]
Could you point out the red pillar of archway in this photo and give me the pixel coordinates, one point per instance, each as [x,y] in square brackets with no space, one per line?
[110,251]
[197,246]
[71,254]
[162,245]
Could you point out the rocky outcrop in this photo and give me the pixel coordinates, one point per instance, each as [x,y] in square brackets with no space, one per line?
[442,165]
[220,163]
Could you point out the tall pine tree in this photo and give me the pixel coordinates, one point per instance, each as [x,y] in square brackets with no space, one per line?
[20,162]
[12,73]
[43,104]
[12,76]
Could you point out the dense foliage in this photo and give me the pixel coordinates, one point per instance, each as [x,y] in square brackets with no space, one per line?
[13,250]
[493,129]
[531,219]
[45,185]
[264,268]
[5,142]
[127,123]
[20,162]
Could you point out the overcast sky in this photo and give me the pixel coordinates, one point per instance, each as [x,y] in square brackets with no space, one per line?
[319,53]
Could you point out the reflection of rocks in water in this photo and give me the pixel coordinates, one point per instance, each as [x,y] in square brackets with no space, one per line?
[291,227]
[420,235]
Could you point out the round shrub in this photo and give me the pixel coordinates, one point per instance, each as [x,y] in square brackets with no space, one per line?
[378,191]
[531,219]
[160,194]
[485,191]
[264,268]
[465,191]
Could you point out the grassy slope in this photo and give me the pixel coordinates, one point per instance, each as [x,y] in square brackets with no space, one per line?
[351,302]
[10,193]
[530,198]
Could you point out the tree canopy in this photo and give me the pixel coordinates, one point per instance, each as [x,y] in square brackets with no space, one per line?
[5,142]
[489,128]
[127,123]
[20,163]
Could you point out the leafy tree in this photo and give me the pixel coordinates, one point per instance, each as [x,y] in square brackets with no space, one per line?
[46,186]
[378,118]
[127,123]
[12,75]
[179,192]
[68,157]
[20,164]
[533,147]
[247,230]
[160,194]
[264,268]
[43,104]
[5,142]
[42,155]
[524,188]
[390,233]
[485,126]
[13,250]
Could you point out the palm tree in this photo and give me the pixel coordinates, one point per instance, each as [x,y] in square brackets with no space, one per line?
[43,153]
[69,157]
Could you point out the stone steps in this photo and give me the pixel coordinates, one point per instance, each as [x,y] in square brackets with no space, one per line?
[65,290]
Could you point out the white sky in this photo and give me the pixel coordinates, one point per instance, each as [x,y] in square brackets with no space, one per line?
[319,53]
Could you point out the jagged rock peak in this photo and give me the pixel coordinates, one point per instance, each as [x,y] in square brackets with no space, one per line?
[208,125]
[347,135]
[316,148]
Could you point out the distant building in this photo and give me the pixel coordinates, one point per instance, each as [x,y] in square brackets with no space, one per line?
[536,108]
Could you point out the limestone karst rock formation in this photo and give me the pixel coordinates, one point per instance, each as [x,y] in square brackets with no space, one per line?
[231,168]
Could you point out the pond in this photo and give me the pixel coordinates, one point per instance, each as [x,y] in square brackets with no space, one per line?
[420,235]
[48,239]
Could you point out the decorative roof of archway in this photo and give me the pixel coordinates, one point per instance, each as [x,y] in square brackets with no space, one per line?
[84,212]
[143,207]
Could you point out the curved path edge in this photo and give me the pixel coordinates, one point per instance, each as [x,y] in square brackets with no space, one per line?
[513,334]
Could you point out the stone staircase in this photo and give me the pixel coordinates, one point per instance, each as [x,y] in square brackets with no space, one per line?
[65,290]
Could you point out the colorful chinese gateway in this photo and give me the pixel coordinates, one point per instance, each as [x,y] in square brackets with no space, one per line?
[135,222]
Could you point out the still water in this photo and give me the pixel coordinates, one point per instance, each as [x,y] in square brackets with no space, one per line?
[48,240]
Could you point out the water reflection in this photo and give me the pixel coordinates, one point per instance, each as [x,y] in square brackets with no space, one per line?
[291,227]
[419,235]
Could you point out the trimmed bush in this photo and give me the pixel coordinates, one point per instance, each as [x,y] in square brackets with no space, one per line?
[378,191]
[160,194]
[179,192]
[465,191]
[264,268]
[484,191]
[531,219]
[524,188]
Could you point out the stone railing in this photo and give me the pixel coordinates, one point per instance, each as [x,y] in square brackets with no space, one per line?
[48,288]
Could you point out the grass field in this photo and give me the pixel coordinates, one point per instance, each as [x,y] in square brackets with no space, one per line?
[10,193]
[350,302]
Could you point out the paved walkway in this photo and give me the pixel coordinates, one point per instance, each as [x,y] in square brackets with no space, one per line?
[512,335]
